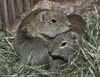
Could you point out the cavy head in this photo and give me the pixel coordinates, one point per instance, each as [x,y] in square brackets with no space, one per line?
[53,22]
[64,45]
[45,22]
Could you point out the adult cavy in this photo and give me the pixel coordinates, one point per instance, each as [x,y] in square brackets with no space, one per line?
[44,22]
[33,50]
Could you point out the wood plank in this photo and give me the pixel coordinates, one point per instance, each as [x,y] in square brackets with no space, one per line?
[4,13]
[0,21]
[0,17]
[19,6]
[35,1]
[31,3]
[27,5]
[12,11]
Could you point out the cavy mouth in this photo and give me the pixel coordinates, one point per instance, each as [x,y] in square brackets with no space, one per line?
[55,57]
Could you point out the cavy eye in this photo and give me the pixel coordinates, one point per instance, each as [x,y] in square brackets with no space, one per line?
[53,20]
[63,44]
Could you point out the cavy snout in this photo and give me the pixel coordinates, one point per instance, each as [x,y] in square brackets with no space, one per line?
[69,26]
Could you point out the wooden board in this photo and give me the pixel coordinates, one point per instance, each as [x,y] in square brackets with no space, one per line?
[19,6]
[4,12]
[12,11]
[27,5]
[0,18]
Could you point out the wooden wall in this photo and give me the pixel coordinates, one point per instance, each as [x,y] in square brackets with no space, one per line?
[10,9]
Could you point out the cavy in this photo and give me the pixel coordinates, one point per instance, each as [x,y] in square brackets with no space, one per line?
[33,51]
[43,22]
[65,44]
[31,43]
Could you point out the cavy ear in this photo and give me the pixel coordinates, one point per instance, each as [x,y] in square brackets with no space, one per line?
[74,18]
[42,16]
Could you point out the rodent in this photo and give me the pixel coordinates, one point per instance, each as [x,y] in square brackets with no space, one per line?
[78,25]
[43,22]
[67,43]
[30,43]
[33,51]
[64,45]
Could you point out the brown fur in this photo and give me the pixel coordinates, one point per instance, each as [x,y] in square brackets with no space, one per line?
[30,43]
[73,40]
[71,45]
[44,22]
[58,64]
[78,25]
[64,45]
[76,20]
[33,50]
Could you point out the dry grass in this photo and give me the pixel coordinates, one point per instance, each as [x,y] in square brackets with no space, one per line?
[85,64]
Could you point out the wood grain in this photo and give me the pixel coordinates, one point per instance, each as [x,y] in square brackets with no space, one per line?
[4,12]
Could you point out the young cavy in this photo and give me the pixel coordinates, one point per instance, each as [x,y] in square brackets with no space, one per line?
[33,51]
[43,22]
[66,44]
[63,46]
[30,41]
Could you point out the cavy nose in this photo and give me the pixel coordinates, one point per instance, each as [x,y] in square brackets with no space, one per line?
[69,24]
